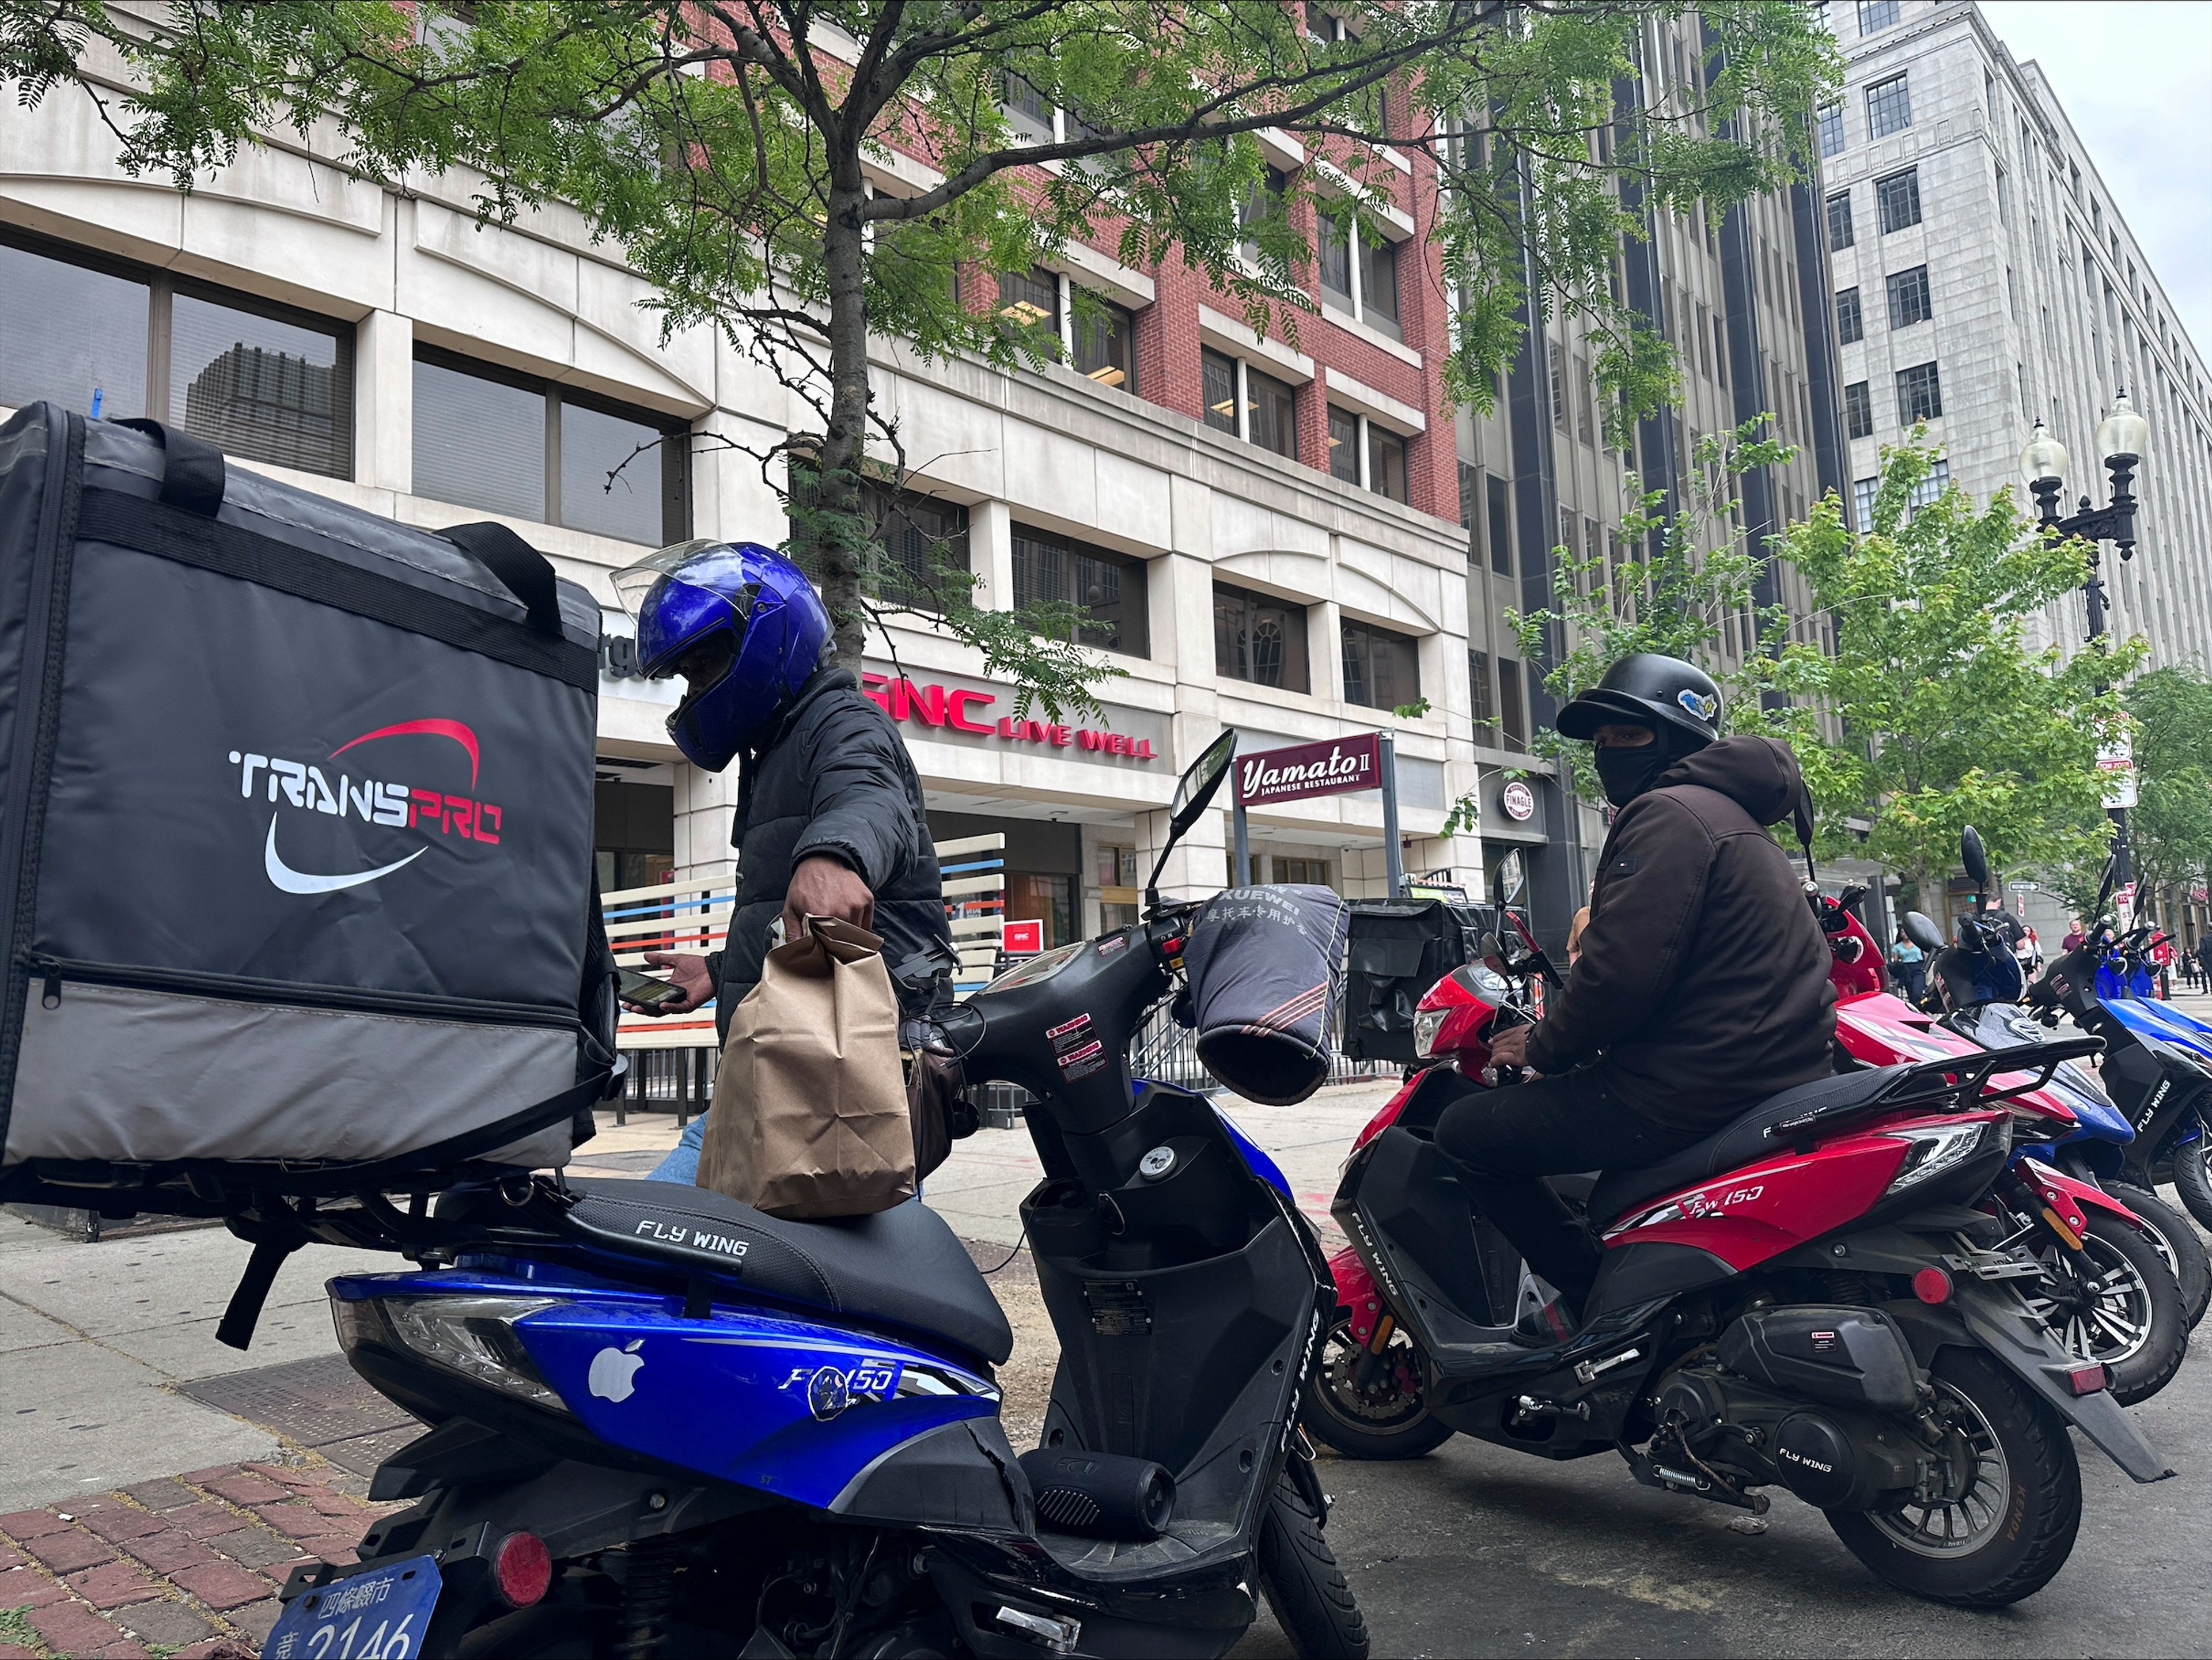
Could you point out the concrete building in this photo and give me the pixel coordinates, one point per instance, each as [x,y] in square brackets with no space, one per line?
[1746,306]
[1985,279]
[1262,534]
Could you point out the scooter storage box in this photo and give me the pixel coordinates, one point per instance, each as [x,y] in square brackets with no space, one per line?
[1398,949]
[295,833]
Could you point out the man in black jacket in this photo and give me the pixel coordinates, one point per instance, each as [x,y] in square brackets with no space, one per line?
[1703,984]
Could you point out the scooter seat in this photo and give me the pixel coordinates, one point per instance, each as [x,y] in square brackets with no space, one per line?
[1744,1141]
[902,1267]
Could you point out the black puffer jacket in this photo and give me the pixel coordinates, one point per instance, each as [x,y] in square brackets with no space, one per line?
[1703,986]
[832,776]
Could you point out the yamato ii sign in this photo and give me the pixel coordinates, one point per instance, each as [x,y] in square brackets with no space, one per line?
[1330,767]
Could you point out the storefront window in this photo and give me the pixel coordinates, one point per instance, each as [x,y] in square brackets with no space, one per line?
[1381,670]
[1309,872]
[1048,899]
[1259,639]
[1106,588]
[633,832]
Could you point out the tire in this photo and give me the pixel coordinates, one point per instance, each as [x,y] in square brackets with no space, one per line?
[2022,1510]
[2192,1177]
[1302,1584]
[2179,1244]
[2127,1313]
[1387,1418]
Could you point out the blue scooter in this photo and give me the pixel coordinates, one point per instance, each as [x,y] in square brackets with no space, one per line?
[665,1423]
[2125,987]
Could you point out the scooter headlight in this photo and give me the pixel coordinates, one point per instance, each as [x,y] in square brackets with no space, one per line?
[1938,1147]
[472,1337]
[1427,1023]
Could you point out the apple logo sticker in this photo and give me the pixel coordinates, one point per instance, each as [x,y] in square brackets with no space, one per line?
[614,1372]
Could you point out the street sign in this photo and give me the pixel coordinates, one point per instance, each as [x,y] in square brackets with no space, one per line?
[2116,761]
[1025,938]
[1330,767]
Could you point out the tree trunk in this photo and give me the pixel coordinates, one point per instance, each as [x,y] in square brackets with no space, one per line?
[834,531]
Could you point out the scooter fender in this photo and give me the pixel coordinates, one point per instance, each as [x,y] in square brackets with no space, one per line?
[1355,1291]
[2071,1199]
[2007,1331]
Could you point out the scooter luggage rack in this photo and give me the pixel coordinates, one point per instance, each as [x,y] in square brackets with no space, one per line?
[1953,1084]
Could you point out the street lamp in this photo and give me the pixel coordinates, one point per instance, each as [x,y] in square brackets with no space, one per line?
[2123,435]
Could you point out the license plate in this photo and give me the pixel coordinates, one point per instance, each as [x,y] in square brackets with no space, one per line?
[378,1614]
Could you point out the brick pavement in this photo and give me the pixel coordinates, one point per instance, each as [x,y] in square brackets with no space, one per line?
[180,1567]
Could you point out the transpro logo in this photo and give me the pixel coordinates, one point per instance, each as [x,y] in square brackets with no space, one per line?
[336,792]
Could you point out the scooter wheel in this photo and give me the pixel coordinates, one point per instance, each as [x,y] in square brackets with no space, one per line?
[2177,1242]
[2192,1177]
[1371,1407]
[2012,1527]
[2116,1302]
[1302,1584]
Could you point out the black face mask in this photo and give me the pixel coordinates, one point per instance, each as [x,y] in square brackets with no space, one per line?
[1626,773]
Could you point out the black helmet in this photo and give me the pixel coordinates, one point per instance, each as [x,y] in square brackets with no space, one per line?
[1645,687]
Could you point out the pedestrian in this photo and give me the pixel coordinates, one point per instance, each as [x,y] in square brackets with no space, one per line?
[2028,953]
[1909,964]
[830,821]
[2074,938]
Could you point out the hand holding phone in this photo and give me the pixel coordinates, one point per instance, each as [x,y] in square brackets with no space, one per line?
[643,991]
[687,985]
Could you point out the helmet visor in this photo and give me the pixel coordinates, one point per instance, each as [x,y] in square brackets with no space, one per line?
[700,562]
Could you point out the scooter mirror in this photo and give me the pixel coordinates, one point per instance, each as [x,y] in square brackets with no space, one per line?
[1194,792]
[1510,878]
[1976,858]
[1920,928]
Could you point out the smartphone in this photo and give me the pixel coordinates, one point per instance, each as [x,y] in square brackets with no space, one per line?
[637,988]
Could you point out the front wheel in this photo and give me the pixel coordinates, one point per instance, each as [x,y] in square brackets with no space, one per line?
[2179,1244]
[1304,1584]
[2192,1176]
[2005,1521]
[2115,1300]
[1371,1405]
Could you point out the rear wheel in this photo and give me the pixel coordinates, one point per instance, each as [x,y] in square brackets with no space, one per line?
[2115,1300]
[1371,1406]
[2192,1177]
[2178,1244]
[1304,1584]
[2005,1521]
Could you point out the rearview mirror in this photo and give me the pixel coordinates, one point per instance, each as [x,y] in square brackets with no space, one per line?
[1920,928]
[1194,792]
[1510,881]
[1976,858]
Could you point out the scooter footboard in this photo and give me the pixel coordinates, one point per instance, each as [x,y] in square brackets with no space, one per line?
[1997,1322]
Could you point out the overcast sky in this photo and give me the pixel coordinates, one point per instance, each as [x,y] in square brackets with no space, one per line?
[2135,78]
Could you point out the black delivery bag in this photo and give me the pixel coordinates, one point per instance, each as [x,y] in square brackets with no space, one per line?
[1263,970]
[296,834]
[1399,949]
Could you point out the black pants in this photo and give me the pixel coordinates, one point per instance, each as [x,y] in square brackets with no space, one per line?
[1500,1142]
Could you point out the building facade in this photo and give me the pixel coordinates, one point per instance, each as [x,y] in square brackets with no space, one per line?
[1744,305]
[1985,279]
[1260,532]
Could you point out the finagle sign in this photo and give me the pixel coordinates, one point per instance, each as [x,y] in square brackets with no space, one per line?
[1330,767]
[955,708]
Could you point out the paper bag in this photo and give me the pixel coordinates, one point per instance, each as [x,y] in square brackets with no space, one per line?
[809,1111]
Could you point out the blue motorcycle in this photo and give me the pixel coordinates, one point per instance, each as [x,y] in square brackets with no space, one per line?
[665,1423]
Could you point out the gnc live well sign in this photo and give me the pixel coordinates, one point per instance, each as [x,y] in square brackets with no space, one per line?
[1330,767]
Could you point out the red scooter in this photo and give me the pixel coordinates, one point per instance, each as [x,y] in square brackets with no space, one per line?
[1807,1298]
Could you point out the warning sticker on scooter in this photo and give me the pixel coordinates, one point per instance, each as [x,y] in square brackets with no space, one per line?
[1081,1063]
[1117,1308]
[1074,1035]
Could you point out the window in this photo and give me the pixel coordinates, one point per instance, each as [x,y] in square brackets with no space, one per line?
[1501,526]
[271,387]
[1029,299]
[1720,354]
[1583,429]
[1480,695]
[2004,196]
[1830,121]
[1335,232]
[1939,477]
[1107,588]
[1919,394]
[482,437]
[1467,492]
[1876,15]
[1027,110]
[921,535]
[1259,639]
[1848,325]
[1862,495]
[1218,373]
[1889,106]
[1264,203]
[1858,410]
[1343,445]
[1909,302]
[1512,717]
[1378,285]
[1381,670]
[72,333]
[1313,873]
[1839,220]
[1898,199]
[1272,408]
[1385,465]
[1557,355]
[1106,346]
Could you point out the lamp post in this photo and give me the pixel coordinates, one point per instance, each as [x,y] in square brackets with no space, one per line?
[2123,435]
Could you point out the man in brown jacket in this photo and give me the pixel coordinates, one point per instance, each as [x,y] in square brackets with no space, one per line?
[1702,987]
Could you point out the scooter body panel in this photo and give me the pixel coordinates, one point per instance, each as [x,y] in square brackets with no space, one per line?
[1745,1216]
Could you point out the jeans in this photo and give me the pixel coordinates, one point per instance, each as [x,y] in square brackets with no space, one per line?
[681,1163]
[1500,1142]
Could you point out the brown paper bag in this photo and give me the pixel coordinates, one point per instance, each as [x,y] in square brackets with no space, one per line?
[809,1111]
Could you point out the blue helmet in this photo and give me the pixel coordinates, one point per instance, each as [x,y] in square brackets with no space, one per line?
[740,622]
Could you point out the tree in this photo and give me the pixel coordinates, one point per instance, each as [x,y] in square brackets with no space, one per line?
[1947,717]
[1684,583]
[2170,827]
[723,145]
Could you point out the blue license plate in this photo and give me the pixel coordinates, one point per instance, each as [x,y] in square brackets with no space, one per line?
[378,1614]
